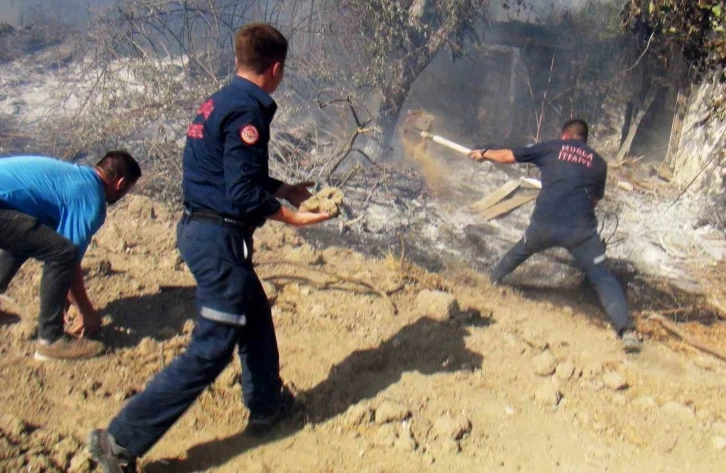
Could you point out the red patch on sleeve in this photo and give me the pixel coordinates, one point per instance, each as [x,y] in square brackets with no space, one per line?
[196,131]
[206,109]
[249,134]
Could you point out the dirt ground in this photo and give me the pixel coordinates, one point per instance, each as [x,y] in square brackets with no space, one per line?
[504,382]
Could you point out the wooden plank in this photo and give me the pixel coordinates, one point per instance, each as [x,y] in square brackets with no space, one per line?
[676,128]
[509,205]
[496,196]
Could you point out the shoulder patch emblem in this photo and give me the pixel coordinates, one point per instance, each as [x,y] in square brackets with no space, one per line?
[249,134]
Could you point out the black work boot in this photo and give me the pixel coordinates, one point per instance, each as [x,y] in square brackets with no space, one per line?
[260,424]
[108,454]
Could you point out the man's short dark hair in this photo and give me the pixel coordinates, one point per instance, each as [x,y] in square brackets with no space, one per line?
[258,46]
[576,129]
[119,163]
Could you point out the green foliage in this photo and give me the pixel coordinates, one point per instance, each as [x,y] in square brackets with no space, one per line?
[695,27]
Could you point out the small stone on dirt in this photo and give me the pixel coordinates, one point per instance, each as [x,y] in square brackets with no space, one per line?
[270,291]
[666,442]
[534,340]
[390,411]
[592,370]
[614,380]
[645,402]
[544,364]
[358,414]
[719,443]
[80,463]
[385,436]
[405,440]
[452,427]
[565,370]
[626,186]
[174,261]
[147,346]
[547,394]
[679,410]
[13,426]
[329,200]
[446,447]
[719,428]
[620,399]
[230,376]
[437,304]
[188,326]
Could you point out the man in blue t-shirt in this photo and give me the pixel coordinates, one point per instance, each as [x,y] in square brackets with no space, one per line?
[49,210]
[573,182]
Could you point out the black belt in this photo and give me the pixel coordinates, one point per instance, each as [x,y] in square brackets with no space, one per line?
[213,217]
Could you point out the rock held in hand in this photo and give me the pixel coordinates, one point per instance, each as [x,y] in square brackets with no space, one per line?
[329,200]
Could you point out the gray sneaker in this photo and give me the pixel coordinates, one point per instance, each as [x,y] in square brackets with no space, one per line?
[108,454]
[67,348]
[631,341]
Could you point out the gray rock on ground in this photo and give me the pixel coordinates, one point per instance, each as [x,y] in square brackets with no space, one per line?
[679,410]
[358,414]
[548,394]
[615,380]
[391,411]
[544,364]
[437,304]
[565,370]
[451,427]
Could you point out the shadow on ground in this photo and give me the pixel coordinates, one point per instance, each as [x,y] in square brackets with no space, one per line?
[8,318]
[426,346]
[161,316]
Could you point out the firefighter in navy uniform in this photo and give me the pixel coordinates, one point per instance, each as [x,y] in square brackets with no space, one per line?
[573,182]
[227,193]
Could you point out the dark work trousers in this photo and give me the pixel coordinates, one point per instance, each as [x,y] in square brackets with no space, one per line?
[585,246]
[23,237]
[149,414]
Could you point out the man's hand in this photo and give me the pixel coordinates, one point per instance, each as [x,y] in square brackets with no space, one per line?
[298,193]
[84,324]
[477,155]
[298,219]
[302,219]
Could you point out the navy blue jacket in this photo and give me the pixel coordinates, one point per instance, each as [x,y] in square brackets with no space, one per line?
[573,177]
[226,157]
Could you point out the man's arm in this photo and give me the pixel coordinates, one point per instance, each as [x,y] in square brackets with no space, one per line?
[247,182]
[527,154]
[502,156]
[90,321]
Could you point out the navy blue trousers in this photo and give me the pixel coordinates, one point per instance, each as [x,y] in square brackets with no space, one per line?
[585,246]
[149,414]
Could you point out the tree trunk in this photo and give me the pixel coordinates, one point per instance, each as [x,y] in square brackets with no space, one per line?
[391,105]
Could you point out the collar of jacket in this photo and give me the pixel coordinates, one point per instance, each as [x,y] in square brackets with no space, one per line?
[255,91]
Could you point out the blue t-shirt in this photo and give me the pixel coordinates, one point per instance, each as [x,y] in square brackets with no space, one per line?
[61,195]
